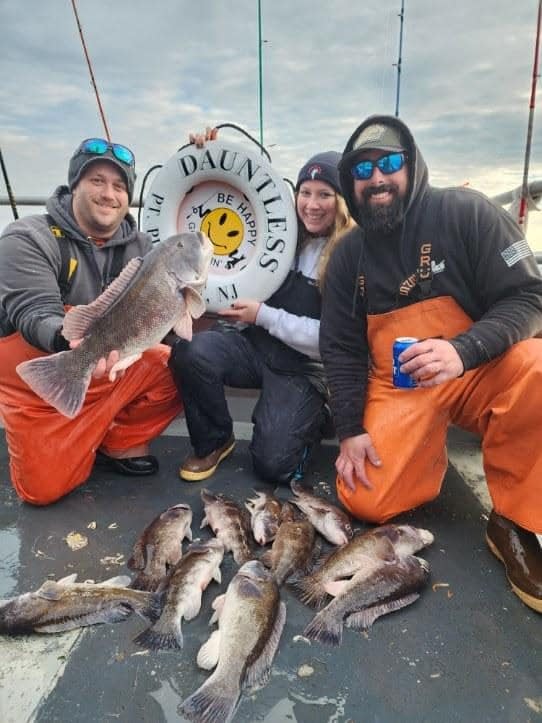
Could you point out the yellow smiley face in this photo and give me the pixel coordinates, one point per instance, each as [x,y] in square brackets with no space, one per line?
[225,229]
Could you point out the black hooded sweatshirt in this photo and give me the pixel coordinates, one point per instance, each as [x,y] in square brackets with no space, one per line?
[478,255]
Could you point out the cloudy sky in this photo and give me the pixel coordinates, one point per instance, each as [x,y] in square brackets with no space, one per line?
[167,67]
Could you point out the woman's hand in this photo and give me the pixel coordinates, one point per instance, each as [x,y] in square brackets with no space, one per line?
[245,310]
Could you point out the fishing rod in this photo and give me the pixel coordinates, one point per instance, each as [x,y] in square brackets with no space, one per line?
[100,108]
[399,62]
[8,187]
[522,215]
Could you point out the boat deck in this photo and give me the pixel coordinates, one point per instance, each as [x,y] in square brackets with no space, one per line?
[467,650]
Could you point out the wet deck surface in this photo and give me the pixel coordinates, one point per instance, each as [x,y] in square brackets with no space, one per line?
[468,650]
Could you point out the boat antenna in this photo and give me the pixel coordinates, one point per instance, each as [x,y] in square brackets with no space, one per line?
[8,187]
[399,62]
[522,215]
[100,108]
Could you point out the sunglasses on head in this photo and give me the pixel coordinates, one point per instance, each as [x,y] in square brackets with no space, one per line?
[99,146]
[391,163]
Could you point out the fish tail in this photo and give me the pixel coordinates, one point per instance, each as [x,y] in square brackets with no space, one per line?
[58,379]
[213,702]
[325,628]
[163,635]
[309,590]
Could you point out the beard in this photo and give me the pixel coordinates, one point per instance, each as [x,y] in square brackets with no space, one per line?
[381,218]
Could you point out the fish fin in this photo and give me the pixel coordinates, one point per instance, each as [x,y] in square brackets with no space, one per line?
[363,619]
[50,590]
[188,534]
[118,581]
[310,591]
[204,522]
[335,587]
[68,579]
[163,635]
[58,380]
[214,702]
[208,654]
[98,617]
[79,319]
[152,606]
[183,326]
[122,364]
[267,558]
[194,302]
[217,605]
[217,575]
[193,604]
[325,628]
[258,672]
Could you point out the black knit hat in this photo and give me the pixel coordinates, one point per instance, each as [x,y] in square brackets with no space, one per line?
[82,159]
[321,167]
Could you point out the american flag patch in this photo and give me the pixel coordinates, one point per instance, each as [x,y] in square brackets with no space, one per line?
[517,251]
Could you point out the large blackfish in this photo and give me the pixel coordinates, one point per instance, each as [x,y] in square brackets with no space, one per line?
[152,295]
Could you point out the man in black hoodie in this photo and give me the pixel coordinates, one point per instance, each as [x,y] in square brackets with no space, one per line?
[47,263]
[450,268]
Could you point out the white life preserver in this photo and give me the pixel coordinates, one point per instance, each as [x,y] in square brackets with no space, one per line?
[235,197]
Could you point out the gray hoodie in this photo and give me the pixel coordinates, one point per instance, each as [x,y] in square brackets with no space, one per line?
[30,267]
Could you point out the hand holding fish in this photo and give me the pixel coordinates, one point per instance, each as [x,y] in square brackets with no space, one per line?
[199,139]
[350,464]
[431,362]
[245,310]
[105,365]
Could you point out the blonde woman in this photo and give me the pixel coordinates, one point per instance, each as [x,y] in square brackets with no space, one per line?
[271,346]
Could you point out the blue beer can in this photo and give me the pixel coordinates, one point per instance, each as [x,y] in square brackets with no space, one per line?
[404,381]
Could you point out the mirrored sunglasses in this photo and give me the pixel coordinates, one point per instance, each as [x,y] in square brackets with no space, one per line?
[99,146]
[387,165]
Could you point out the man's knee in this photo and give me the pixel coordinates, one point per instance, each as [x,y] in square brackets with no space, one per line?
[272,467]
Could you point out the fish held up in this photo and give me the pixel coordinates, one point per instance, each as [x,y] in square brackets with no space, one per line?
[152,295]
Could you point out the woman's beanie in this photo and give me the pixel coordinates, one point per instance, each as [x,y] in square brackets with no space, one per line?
[321,167]
[81,160]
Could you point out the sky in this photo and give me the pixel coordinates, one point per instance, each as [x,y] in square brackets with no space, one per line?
[169,67]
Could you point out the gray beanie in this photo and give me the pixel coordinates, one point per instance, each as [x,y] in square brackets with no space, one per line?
[321,167]
[81,159]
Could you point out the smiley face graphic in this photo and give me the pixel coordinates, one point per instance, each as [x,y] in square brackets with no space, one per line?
[225,229]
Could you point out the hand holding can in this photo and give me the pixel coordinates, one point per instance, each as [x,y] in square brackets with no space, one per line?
[400,379]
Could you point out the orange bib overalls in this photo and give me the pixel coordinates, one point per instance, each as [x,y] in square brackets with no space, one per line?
[49,454]
[500,400]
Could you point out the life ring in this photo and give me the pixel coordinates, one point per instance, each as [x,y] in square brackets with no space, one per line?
[236,198]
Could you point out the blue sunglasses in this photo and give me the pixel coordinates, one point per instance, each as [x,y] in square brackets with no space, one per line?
[387,165]
[99,146]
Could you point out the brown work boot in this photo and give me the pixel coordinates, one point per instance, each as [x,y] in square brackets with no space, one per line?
[194,469]
[521,554]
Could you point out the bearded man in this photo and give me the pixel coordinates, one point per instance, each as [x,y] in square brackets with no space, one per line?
[451,269]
